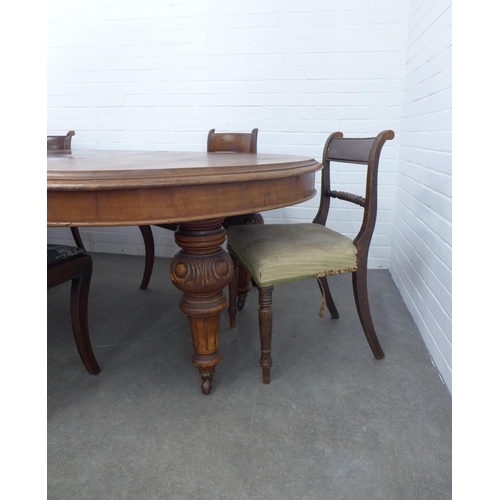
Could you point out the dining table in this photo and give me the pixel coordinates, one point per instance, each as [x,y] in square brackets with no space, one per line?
[196,190]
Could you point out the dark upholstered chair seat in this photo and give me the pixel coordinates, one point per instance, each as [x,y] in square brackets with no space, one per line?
[57,253]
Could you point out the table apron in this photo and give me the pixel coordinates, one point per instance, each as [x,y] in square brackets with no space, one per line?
[157,205]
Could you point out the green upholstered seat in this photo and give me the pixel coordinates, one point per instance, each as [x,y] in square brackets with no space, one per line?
[278,253]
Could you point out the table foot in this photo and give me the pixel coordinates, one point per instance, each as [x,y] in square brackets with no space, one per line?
[201,269]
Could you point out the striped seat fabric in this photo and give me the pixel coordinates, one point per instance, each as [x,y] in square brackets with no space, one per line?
[279,253]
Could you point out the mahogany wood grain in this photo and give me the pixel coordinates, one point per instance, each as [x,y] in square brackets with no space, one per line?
[106,190]
[196,190]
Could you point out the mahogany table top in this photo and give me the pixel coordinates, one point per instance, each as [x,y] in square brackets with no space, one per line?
[106,188]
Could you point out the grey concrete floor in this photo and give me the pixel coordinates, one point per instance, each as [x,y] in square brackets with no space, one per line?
[333,424]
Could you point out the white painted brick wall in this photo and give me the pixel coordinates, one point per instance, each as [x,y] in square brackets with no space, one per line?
[157,75]
[421,260]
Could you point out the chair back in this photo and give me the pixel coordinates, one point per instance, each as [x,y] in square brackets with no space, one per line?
[60,142]
[232,142]
[365,151]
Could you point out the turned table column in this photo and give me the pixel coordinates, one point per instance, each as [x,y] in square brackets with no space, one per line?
[201,269]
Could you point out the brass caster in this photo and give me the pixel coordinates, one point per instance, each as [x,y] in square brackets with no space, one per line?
[206,385]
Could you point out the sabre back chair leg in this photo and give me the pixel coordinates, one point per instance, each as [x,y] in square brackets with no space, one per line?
[325,290]
[265,331]
[244,286]
[149,244]
[359,285]
[78,239]
[80,287]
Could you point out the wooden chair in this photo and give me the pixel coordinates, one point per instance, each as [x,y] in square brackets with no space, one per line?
[62,144]
[65,263]
[223,142]
[278,253]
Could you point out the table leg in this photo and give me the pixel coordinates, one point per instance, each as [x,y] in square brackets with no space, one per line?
[201,269]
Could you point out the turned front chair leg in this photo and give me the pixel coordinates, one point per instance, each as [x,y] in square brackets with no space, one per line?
[233,291]
[265,330]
